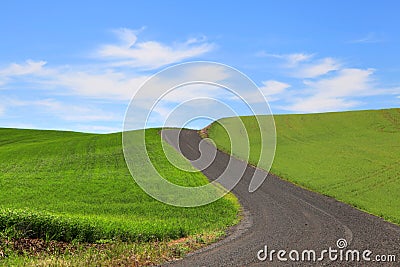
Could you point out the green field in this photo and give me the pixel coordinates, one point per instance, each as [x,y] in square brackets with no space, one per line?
[69,186]
[351,156]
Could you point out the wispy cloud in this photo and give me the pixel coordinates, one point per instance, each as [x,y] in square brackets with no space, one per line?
[14,70]
[96,83]
[303,65]
[320,104]
[92,83]
[28,67]
[120,85]
[346,82]
[317,68]
[104,80]
[322,84]
[295,59]
[272,87]
[150,54]
[371,37]
[76,113]
[338,92]
[111,85]
[62,110]
[307,83]
[291,60]
[272,90]
[128,37]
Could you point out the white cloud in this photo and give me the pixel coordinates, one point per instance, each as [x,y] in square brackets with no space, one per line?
[295,59]
[119,85]
[335,93]
[206,73]
[150,54]
[303,65]
[196,91]
[97,83]
[317,68]
[75,113]
[328,85]
[320,103]
[128,37]
[108,85]
[272,87]
[29,67]
[347,82]
[105,82]
[114,85]
[62,110]
[270,90]
[291,60]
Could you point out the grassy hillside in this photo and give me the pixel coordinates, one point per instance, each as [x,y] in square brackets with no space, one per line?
[352,156]
[75,186]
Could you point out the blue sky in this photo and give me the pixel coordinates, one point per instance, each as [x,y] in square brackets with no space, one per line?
[74,65]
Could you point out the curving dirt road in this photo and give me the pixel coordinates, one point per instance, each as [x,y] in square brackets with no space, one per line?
[283,216]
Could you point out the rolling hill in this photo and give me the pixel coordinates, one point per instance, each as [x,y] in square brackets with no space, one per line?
[75,186]
[351,156]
